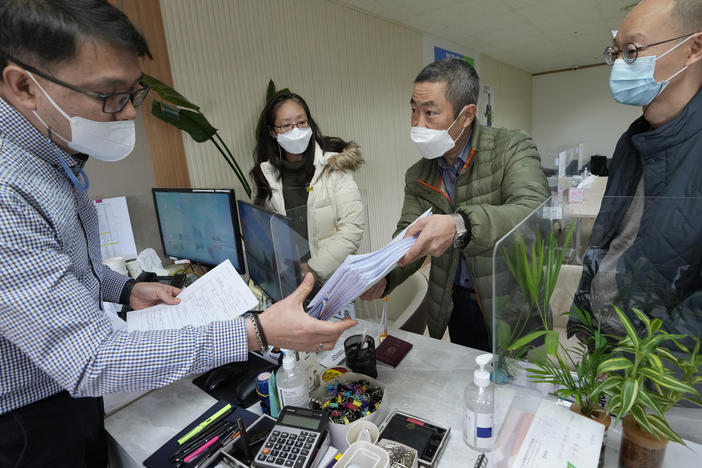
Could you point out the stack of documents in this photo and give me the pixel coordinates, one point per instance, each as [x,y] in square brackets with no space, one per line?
[358,273]
[219,295]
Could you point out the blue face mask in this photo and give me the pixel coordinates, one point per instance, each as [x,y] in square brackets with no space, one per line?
[633,83]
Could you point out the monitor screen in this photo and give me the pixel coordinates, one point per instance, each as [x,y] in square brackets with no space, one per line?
[277,275]
[199,225]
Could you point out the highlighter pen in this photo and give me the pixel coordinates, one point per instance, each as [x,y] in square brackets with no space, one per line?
[225,410]
[202,438]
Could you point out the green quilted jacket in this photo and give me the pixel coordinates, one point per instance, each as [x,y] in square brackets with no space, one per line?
[501,185]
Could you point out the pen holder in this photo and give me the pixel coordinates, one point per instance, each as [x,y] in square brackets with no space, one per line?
[360,357]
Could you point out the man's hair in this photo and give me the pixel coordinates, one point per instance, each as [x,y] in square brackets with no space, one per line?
[689,14]
[46,32]
[462,81]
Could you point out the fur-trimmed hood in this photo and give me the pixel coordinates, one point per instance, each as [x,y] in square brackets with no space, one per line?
[349,159]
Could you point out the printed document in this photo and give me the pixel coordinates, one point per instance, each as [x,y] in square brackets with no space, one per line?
[116,236]
[358,273]
[219,295]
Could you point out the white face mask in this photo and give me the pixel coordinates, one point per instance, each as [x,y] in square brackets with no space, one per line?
[106,141]
[434,143]
[295,141]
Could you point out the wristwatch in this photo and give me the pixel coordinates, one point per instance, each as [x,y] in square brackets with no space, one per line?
[462,233]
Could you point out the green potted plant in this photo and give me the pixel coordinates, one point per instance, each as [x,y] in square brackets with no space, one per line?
[535,269]
[642,387]
[575,371]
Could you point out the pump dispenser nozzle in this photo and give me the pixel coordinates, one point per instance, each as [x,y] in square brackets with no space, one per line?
[481,376]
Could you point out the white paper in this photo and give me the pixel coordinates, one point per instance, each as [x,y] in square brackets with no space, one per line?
[219,295]
[358,273]
[116,236]
[558,437]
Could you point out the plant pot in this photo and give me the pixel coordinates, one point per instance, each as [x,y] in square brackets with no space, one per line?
[639,449]
[601,417]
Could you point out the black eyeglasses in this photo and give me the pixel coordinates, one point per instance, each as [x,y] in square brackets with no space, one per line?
[288,126]
[111,103]
[630,52]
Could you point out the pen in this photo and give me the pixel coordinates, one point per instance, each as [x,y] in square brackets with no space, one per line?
[324,305]
[363,338]
[244,438]
[216,430]
[197,452]
[225,410]
[385,320]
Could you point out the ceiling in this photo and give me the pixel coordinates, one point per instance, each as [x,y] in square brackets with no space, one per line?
[534,35]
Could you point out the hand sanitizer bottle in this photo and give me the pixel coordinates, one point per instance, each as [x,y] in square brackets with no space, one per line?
[292,383]
[477,408]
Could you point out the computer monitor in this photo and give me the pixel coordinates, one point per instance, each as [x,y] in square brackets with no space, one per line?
[271,253]
[200,225]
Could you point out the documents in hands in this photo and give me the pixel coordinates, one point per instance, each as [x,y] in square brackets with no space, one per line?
[358,273]
[219,295]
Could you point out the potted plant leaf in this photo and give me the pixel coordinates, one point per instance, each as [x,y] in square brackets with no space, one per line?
[186,116]
[575,371]
[642,385]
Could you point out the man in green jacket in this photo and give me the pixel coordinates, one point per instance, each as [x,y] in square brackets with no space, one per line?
[479,182]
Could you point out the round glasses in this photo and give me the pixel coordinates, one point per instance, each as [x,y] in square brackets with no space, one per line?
[288,126]
[630,51]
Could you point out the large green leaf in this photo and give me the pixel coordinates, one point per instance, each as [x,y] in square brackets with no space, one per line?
[193,123]
[667,381]
[168,93]
[662,429]
[525,340]
[631,332]
[552,340]
[630,388]
[614,364]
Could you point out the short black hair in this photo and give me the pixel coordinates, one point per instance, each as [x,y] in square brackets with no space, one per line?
[462,81]
[46,32]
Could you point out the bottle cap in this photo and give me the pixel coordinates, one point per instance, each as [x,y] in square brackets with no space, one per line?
[481,376]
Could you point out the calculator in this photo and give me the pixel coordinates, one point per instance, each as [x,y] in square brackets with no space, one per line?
[297,439]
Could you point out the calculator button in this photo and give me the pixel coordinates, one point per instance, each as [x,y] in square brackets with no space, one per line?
[275,433]
[301,439]
[277,446]
[272,438]
[261,457]
[265,450]
[308,446]
[295,450]
[290,442]
[280,461]
[286,448]
[293,436]
[275,453]
[299,464]
[283,435]
[304,433]
[289,463]
[271,459]
[305,452]
[283,455]
[269,444]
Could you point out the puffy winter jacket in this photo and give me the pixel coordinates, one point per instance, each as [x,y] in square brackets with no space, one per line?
[503,183]
[335,214]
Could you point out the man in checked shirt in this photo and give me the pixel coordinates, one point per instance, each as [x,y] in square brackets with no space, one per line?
[69,85]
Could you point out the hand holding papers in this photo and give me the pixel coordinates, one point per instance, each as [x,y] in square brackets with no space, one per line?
[357,274]
[219,295]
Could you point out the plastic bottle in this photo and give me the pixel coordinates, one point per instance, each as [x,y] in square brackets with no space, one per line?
[292,383]
[477,408]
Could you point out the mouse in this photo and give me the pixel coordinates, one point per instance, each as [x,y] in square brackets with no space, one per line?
[245,388]
[220,375]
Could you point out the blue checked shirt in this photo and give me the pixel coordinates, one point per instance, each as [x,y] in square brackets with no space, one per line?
[53,335]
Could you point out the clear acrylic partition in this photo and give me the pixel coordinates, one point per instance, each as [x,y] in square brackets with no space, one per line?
[659,272]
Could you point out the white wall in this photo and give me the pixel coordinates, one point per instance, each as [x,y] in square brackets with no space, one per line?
[511,91]
[576,106]
[354,70]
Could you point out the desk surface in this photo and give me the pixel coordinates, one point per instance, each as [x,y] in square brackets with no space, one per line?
[592,199]
[428,383]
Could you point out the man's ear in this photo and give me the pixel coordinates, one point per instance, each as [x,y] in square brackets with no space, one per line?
[696,49]
[19,88]
[468,115]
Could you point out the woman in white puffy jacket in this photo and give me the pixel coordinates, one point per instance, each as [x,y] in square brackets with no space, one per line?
[309,177]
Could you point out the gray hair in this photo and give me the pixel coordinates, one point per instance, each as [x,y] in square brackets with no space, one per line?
[462,81]
[689,14]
